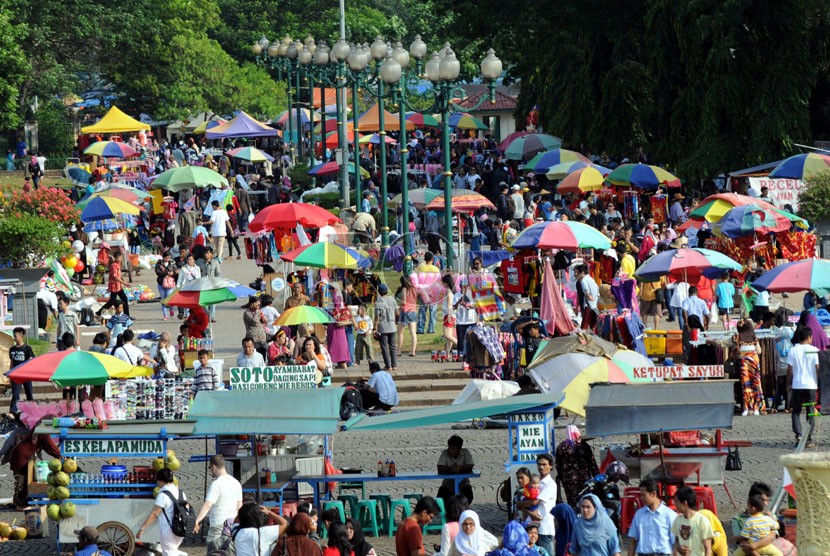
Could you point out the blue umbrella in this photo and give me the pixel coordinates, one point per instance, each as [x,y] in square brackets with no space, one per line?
[78,176]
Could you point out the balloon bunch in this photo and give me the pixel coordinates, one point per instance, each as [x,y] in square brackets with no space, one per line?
[71,261]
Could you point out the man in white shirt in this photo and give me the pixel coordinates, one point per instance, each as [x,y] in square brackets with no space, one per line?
[223,500]
[472,177]
[219,227]
[695,306]
[546,502]
[802,370]
[128,352]
[249,357]
[518,203]
[590,297]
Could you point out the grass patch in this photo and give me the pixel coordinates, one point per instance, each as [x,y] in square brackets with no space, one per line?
[39,346]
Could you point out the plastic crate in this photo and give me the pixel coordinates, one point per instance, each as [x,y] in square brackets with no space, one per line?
[674,342]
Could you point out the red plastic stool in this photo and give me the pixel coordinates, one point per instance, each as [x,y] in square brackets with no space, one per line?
[628,507]
[289,509]
[706,499]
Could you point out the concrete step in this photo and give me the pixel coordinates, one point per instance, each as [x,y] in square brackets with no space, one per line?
[453,385]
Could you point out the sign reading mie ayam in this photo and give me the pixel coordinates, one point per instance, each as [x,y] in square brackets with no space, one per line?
[290,377]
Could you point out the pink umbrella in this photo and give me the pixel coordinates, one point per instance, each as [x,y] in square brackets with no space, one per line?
[552,307]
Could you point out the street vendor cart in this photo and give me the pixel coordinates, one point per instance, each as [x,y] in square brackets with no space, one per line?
[110,497]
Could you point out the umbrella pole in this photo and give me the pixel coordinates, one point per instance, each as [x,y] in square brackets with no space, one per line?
[255,447]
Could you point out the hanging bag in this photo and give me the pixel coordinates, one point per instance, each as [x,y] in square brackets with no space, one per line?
[733,459]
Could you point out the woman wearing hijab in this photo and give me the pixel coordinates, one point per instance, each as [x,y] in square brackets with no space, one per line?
[455,507]
[336,332]
[357,539]
[472,539]
[515,541]
[594,533]
[565,518]
[820,340]
[296,541]
[339,544]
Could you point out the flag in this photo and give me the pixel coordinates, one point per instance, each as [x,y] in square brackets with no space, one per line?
[788,483]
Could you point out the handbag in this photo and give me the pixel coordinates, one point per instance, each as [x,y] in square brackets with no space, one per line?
[733,459]
[168,283]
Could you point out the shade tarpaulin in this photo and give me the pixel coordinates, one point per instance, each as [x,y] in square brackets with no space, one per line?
[290,411]
[242,125]
[451,413]
[370,120]
[115,121]
[659,407]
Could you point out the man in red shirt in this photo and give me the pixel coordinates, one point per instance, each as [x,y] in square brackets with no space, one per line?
[115,285]
[409,540]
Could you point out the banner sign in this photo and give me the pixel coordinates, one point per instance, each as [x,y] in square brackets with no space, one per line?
[678,372]
[123,448]
[781,191]
[287,377]
[531,435]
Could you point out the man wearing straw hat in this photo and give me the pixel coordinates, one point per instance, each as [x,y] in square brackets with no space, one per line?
[677,214]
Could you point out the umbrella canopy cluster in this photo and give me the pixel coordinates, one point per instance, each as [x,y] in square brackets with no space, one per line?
[566,235]
[286,216]
[75,368]
[735,215]
[686,264]
[188,177]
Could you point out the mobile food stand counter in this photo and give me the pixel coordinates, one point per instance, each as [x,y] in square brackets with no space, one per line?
[665,407]
[109,496]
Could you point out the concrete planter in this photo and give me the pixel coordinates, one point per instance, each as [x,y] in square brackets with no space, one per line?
[811,475]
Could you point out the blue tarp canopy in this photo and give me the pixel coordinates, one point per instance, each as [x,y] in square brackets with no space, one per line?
[450,413]
[301,411]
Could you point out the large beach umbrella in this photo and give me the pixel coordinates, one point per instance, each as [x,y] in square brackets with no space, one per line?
[77,175]
[206,291]
[566,235]
[418,197]
[748,220]
[422,120]
[797,276]
[202,128]
[559,171]
[107,208]
[333,167]
[327,255]
[642,176]
[543,161]
[463,200]
[305,116]
[527,146]
[303,314]
[374,139]
[802,166]
[582,181]
[686,264]
[462,120]
[111,149]
[251,154]
[286,216]
[188,177]
[75,368]
[123,192]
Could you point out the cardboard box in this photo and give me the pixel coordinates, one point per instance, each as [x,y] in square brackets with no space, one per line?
[674,342]
[36,522]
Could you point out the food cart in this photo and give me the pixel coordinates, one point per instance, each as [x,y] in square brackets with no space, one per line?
[111,498]
[664,407]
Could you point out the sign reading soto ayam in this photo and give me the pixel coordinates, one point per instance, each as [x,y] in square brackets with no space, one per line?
[112,447]
[288,377]
[678,372]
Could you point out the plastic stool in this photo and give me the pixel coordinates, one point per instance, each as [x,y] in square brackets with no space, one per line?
[338,505]
[359,485]
[628,507]
[443,517]
[289,509]
[406,511]
[383,499]
[706,499]
[351,501]
[416,496]
[367,514]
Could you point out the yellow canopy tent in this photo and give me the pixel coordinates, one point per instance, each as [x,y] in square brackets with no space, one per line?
[370,121]
[115,121]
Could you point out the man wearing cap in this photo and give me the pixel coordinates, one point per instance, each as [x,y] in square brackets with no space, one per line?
[518,204]
[677,214]
[363,226]
[88,542]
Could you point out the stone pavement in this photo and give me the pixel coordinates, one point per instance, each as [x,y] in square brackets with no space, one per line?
[416,449]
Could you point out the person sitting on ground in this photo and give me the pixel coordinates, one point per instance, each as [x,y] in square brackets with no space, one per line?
[758,531]
[379,390]
[88,542]
[197,322]
[532,530]
[314,352]
[126,351]
[455,459]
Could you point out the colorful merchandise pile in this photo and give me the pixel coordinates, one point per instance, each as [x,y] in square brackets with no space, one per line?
[150,399]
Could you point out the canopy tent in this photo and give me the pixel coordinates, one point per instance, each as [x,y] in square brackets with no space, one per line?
[659,407]
[311,411]
[115,121]
[370,120]
[242,125]
[449,413]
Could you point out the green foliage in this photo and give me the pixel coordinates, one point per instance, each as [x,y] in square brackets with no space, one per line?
[814,200]
[55,135]
[15,66]
[299,176]
[28,239]
[326,200]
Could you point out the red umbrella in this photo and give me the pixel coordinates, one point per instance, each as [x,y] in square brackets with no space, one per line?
[287,215]
[463,200]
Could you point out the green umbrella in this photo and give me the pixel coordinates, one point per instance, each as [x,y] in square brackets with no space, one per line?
[303,314]
[188,177]
[418,197]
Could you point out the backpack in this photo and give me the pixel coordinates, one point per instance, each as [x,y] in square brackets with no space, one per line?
[351,403]
[183,516]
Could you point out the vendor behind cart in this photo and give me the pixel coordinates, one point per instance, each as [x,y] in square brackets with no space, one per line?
[20,448]
[88,542]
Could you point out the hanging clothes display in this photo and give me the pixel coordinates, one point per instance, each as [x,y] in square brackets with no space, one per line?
[631,205]
[514,277]
[625,328]
[485,353]
[483,288]
[625,292]
[659,208]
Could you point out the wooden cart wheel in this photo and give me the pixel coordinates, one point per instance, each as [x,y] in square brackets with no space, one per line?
[116,538]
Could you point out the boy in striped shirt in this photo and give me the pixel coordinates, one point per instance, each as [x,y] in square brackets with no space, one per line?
[758,532]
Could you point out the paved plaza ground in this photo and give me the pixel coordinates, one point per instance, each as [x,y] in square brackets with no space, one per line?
[418,449]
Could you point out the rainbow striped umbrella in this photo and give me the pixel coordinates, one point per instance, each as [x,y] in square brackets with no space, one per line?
[418,197]
[463,200]
[332,168]
[305,116]
[642,176]
[106,208]
[251,154]
[802,166]
[123,192]
[559,171]
[542,162]
[582,181]
[326,255]
[75,368]
[566,235]
[748,220]
[422,120]
[111,149]
[527,146]
[303,314]
[686,264]
[462,120]
[202,128]
[205,291]
[374,139]
[797,276]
